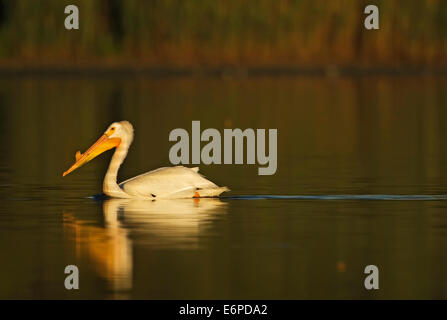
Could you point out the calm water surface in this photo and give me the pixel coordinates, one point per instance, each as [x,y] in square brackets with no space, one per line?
[348,136]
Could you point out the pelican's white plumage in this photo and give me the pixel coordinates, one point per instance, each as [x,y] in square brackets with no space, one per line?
[165,183]
[171,182]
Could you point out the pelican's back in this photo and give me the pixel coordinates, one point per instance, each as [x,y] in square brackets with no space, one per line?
[171,182]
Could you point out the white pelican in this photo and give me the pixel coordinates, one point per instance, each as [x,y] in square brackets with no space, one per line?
[166,183]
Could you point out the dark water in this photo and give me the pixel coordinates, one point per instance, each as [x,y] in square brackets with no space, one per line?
[359,160]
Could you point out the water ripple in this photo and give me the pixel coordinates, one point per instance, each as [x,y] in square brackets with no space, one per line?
[340,197]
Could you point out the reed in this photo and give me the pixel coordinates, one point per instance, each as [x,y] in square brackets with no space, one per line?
[216,33]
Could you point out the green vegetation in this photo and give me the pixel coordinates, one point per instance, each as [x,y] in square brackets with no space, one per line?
[227,32]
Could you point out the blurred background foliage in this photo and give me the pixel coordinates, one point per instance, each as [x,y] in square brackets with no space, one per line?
[195,33]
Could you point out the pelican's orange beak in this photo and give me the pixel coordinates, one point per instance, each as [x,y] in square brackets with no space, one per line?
[103,144]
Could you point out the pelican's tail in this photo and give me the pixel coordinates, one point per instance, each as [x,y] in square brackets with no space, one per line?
[210,192]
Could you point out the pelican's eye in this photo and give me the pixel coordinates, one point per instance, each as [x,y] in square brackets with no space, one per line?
[111,131]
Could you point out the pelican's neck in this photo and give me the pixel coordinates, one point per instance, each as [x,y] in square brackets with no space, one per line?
[110,186]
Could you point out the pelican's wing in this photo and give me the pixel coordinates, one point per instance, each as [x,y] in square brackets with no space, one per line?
[171,182]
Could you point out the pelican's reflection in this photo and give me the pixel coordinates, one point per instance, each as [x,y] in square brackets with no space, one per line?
[154,224]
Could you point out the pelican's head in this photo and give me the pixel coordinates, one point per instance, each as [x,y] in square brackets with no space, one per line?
[116,133]
[121,130]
